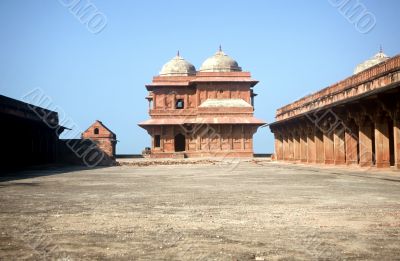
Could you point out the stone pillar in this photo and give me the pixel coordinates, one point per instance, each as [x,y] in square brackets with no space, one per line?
[319,146]
[382,152]
[311,153]
[162,139]
[296,146]
[303,146]
[328,148]
[278,146]
[339,147]
[219,137]
[173,101]
[290,144]
[285,147]
[198,140]
[197,99]
[396,132]
[351,144]
[365,132]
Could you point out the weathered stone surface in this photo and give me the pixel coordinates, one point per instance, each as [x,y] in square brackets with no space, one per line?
[272,211]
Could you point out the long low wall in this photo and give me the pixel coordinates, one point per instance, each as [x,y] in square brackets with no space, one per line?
[82,152]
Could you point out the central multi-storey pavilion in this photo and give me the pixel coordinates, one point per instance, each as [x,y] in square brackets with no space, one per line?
[202,113]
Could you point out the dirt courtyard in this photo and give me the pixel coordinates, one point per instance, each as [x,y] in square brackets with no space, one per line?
[256,211]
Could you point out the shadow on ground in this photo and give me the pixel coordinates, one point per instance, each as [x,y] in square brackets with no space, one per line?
[39,171]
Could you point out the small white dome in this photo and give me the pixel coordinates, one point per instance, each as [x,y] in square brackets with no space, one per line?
[220,62]
[376,59]
[178,67]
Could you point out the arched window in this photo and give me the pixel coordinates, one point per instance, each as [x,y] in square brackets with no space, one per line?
[96,131]
[179,104]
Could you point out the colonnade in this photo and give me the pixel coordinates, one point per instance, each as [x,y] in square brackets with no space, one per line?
[363,133]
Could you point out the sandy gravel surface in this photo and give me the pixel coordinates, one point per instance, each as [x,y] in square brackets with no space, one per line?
[256,211]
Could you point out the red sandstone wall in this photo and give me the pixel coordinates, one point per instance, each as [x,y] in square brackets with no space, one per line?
[206,138]
[105,139]
[223,91]
[165,98]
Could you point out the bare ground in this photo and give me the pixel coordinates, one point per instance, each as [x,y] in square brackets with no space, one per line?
[207,211]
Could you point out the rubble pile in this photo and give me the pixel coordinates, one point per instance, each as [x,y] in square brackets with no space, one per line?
[144,163]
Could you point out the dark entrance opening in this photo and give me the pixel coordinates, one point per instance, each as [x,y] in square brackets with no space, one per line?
[358,150]
[157,141]
[180,142]
[373,143]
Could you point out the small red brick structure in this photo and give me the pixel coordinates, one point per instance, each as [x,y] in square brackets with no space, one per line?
[103,137]
[202,113]
[354,122]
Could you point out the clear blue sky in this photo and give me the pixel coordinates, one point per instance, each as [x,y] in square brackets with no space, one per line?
[292,47]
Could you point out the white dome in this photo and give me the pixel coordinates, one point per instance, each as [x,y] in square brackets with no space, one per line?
[178,67]
[376,59]
[220,62]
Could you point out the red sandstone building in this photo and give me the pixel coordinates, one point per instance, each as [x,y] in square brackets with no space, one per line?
[103,137]
[202,113]
[96,147]
[355,121]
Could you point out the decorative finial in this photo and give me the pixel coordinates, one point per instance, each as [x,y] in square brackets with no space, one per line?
[380,49]
[220,48]
[178,54]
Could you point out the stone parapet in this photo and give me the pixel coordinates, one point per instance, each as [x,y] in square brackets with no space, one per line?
[371,80]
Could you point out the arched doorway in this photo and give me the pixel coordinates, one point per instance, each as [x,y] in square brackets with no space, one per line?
[180,142]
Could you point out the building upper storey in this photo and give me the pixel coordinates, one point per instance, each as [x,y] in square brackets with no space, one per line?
[220,78]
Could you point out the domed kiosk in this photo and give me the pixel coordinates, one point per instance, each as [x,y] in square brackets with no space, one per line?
[178,66]
[220,62]
[376,59]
